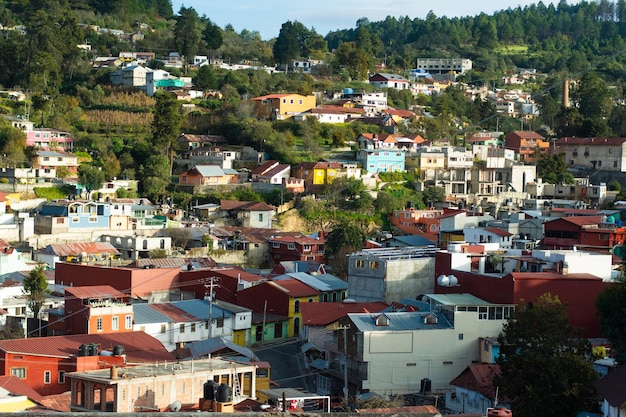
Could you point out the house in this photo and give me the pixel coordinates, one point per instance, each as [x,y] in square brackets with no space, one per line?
[130,76]
[316,174]
[296,247]
[282,106]
[424,223]
[385,80]
[510,275]
[62,216]
[332,114]
[329,286]
[53,160]
[48,139]
[207,175]
[478,235]
[271,172]
[126,389]
[472,391]
[250,213]
[526,144]
[101,252]
[188,141]
[12,260]
[44,363]
[279,297]
[612,389]
[390,274]
[593,153]
[437,342]
[185,321]
[138,247]
[381,160]
[590,233]
[442,66]
[231,281]
[97,309]
[321,326]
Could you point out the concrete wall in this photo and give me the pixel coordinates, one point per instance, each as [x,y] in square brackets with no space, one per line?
[391,280]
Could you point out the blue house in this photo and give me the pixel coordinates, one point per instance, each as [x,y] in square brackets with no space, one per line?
[80,214]
[381,160]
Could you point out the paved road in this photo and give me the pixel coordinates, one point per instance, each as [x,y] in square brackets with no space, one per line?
[287,365]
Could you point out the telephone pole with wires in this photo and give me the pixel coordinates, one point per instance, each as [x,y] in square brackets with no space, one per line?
[209,284]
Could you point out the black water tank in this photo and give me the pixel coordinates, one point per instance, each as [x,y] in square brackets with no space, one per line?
[224,394]
[209,390]
[93,349]
[118,350]
[83,350]
[425,386]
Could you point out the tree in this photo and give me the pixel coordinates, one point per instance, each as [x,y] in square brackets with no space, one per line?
[166,125]
[90,177]
[155,176]
[544,363]
[36,290]
[553,169]
[212,36]
[286,46]
[187,34]
[610,307]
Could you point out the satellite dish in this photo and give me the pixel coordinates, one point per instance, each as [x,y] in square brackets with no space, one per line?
[176,406]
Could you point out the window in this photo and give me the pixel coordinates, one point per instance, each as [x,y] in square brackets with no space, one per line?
[93,220]
[47,376]
[260,217]
[460,336]
[373,265]
[275,245]
[193,327]
[220,323]
[182,328]
[163,328]
[115,323]
[296,306]
[61,377]
[290,101]
[129,322]
[359,263]
[307,248]
[19,372]
[99,324]
[300,101]
[292,246]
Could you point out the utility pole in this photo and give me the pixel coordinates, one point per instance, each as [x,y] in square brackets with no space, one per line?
[209,283]
[345,363]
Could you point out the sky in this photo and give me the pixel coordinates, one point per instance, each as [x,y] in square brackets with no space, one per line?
[267,16]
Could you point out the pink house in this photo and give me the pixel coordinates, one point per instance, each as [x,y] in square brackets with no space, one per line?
[43,138]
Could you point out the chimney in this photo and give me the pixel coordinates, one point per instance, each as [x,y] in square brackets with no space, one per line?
[114,374]
[565,103]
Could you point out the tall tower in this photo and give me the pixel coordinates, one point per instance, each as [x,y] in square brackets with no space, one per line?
[565,93]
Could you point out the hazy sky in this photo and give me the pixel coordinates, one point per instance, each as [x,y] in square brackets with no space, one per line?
[266,16]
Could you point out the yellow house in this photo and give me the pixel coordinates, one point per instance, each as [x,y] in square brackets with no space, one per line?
[282,106]
[317,173]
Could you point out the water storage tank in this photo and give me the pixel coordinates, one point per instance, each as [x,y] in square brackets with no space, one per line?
[118,350]
[209,390]
[83,350]
[224,394]
[93,349]
[425,385]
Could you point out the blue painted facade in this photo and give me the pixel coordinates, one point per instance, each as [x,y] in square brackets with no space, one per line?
[381,160]
[81,214]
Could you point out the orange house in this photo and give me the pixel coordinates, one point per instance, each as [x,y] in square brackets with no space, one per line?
[97,309]
[525,144]
[283,106]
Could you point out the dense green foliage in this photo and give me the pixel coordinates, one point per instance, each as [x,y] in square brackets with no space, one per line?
[610,306]
[544,363]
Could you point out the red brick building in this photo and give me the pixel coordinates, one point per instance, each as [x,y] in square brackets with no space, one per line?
[227,282]
[44,362]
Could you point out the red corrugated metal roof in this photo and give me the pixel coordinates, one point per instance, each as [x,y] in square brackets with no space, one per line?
[69,249]
[498,232]
[294,288]
[322,314]
[138,346]
[174,313]
[95,291]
